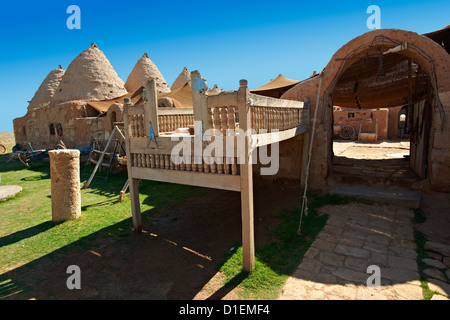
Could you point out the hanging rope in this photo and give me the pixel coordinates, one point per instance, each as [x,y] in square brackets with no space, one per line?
[311,141]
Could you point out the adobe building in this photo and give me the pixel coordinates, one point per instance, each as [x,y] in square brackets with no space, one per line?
[400,71]
[386,68]
[85,100]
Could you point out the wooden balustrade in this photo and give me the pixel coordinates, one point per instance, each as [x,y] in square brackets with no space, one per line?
[222,120]
[269,118]
[224,113]
[137,125]
[171,122]
[218,165]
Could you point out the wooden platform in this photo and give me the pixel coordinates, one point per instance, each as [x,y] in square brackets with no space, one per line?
[227,128]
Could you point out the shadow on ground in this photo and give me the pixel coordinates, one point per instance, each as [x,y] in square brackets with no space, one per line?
[173,258]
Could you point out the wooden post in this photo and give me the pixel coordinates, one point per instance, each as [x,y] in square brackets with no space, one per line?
[248,241]
[151,108]
[199,89]
[133,183]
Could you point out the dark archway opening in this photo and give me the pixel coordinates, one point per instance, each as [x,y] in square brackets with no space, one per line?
[382,118]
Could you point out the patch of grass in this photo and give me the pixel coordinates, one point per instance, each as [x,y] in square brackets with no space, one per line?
[420,240]
[419,216]
[421,254]
[26,228]
[275,261]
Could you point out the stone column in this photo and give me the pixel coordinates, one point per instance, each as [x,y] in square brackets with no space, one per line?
[65,184]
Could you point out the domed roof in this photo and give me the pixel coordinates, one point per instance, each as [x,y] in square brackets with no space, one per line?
[144,70]
[90,77]
[183,78]
[46,90]
[214,90]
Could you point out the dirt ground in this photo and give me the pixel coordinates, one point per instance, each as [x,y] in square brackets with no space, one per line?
[173,259]
[373,150]
[177,255]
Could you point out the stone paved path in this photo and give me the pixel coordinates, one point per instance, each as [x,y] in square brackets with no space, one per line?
[355,237]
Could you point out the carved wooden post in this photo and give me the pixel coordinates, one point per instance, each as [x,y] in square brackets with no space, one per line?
[151,108]
[199,89]
[248,241]
[133,185]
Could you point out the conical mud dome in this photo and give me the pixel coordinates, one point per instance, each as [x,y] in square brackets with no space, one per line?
[90,77]
[47,89]
[215,90]
[144,70]
[183,78]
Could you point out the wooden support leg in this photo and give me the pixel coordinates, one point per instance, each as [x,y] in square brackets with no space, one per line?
[248,242]
[135,205]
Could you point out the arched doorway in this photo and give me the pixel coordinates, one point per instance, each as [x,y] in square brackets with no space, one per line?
[374,81]
[385,68]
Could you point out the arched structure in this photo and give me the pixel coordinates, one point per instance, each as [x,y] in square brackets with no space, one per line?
[384,68]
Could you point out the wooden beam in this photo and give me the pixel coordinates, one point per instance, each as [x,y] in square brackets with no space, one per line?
[223,99]
[273,137]
[248,241]
[262,101]
[199,89]
[200,179]
[175,111]
[133,183]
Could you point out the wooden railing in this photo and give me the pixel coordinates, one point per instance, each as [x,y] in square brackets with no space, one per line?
[265,115]
[151,141]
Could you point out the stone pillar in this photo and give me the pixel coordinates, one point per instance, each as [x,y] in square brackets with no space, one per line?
[65,184]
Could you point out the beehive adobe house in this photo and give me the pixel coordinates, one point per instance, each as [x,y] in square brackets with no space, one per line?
[384,69]
[71,105]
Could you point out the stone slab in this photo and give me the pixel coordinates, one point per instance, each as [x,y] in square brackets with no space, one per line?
[405,198]
[7,192]
[439,247]
[434,263]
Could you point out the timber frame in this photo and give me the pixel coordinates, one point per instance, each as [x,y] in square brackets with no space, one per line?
[151,138]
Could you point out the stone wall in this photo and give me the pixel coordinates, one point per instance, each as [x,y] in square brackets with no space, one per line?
[380,118]
[68,121]
[290,162]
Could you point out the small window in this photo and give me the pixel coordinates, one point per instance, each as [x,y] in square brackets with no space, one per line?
[113,118]
[52,129]
[24,131]
[59,129]
[351,114]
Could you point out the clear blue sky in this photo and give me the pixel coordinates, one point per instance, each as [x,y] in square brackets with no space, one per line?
[225,41]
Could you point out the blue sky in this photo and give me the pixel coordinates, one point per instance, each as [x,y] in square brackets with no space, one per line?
[224,40]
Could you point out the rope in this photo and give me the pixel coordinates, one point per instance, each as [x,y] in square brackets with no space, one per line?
[311,141]
[151,136]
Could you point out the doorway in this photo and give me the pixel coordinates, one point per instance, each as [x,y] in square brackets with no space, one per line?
[374,95]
